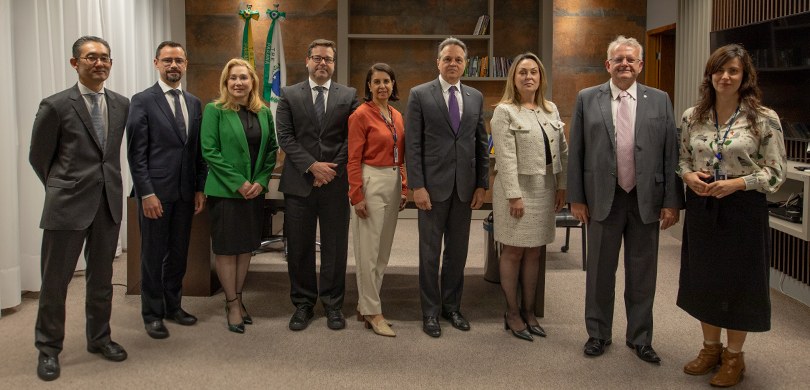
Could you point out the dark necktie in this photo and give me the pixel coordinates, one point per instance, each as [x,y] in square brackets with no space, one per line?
[320,110]
[178,112]
[452,105]
[97,118]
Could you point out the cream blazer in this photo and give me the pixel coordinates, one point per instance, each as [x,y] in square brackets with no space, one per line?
[519,148]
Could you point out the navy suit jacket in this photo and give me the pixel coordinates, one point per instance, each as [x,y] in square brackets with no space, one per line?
[162,159]
[437,159]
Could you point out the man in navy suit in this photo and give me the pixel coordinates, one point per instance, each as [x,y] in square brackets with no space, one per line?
[75,152]
[169,175]
[448,168]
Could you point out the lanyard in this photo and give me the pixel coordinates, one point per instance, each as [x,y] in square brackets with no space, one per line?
[390,126]
[720,143]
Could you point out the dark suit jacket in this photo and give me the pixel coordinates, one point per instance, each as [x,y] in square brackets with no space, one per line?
[225,148]
[69,160]
[304,142]
[592,172]
[436,158]
[164,161]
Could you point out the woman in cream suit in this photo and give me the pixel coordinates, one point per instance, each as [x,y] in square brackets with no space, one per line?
[239,143]
[529,187]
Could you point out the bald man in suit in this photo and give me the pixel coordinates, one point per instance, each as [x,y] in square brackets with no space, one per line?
[75,152]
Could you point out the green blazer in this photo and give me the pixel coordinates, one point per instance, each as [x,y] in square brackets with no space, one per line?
[225,148]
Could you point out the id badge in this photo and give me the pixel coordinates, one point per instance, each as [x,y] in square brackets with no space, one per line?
[396,155]
[719,174]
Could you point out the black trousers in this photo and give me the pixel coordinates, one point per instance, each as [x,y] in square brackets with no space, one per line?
[164,251]
[60,252]
[447,221]
[328,206]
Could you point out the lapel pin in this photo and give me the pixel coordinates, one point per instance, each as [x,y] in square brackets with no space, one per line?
[645,96]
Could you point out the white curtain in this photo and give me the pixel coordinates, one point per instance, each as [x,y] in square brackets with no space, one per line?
[35,47]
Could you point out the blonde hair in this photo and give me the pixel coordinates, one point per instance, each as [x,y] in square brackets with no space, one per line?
[225,100]
[620,41]
[510,92]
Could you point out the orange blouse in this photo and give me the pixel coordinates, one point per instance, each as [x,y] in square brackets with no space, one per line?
[371,142]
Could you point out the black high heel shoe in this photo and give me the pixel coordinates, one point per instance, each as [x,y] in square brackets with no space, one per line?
[522,334]
[536,330]
[236,328]
[246,319]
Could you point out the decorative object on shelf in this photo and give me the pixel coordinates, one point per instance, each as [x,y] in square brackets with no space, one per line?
[248,14]
[275,67]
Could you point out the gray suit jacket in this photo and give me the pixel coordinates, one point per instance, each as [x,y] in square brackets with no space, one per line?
[437,159]
[304,142]
[163,159]
[592,172]
[69,160]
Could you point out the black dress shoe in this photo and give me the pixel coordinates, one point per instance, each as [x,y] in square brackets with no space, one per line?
[181,317]
[645,352]
[156,329]
[111,351]
[522,334]
[300,319]
[335,319]
[457,320]
[537,330]
[596,347]
[48,367]
[430,325]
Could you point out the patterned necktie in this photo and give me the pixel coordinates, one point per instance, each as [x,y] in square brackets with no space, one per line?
[320,110]
[97,118]
[625,141]
[452,106]
[178,113]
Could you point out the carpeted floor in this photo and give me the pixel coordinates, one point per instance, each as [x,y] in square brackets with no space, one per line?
[270,356]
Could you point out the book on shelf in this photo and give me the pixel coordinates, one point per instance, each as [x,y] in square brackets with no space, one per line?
[481,25]
[483,72]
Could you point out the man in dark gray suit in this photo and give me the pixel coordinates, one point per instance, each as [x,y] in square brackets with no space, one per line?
[312,125]
[75,152]
[448,167]
[168,172]
[622,183]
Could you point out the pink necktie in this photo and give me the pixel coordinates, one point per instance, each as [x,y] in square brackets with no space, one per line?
[625,140]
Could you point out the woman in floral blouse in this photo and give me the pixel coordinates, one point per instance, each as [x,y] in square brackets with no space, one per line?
[732,153]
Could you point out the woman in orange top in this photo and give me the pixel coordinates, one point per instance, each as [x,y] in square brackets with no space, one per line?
[377,189]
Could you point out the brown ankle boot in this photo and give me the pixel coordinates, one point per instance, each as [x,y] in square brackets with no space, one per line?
[731,370]
[707,359]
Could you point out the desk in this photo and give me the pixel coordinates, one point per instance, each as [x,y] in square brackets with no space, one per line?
[201,278]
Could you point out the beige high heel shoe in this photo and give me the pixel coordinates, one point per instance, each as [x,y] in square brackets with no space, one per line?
[381,327]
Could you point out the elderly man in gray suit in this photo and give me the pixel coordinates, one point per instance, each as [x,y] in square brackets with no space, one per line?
[313,126]
[75,152]
[622,183]
[448,167]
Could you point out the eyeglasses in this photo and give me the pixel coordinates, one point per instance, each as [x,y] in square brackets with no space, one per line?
[319,59]
[169,61]
[619,60]
[93,59]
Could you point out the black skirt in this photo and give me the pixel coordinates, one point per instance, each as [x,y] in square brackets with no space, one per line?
[236,224]
[724,261]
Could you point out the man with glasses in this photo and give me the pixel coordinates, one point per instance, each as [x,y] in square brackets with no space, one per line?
[312,125]
[75,152]
[622,183]
[169,173]
[448,168]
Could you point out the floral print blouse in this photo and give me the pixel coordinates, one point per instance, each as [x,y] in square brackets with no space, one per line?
[757,156]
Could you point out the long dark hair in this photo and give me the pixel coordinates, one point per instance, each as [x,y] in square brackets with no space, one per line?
[750,94]
[382,67]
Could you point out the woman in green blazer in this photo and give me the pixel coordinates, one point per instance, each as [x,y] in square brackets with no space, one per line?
[239,143]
